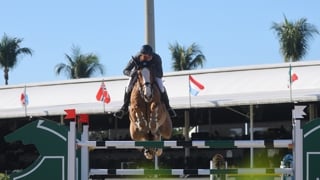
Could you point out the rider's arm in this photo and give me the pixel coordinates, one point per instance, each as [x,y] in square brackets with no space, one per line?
[158,65]
[131,64]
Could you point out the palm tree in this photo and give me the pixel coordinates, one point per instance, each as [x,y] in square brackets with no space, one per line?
[79,65]
[294,38]
[9,51]
[186,58]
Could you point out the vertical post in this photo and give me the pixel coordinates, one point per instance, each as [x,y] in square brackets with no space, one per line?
[251,137]
[61,120]
[156,163]
[312,111]
[189,86]
[186,132]
[297,150]
[149,20]
[210,123]
[150,37]
[84,153]
[156,166]
[72,151]
[104,107]
[290,82]
[25,100]
[212,167]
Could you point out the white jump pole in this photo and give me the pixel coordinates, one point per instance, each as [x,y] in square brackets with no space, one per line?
[243,171]
[281,143]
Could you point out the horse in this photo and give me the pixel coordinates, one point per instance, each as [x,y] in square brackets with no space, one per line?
[149,118]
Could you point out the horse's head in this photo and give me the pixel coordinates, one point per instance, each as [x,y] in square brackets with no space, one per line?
[145,79]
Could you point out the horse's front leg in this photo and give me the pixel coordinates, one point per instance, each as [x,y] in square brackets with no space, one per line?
[154,116]
[139,119]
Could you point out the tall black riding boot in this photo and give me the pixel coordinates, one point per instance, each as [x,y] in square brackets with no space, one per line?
[124,109]
[165,99]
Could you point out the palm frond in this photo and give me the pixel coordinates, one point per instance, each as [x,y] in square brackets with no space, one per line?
[80,65]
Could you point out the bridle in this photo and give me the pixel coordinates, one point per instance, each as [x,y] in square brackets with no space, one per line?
[146,86]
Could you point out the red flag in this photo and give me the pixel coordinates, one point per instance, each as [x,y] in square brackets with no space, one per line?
[102,94]
[24,98]
[84,118]
[294,77]
[71,114]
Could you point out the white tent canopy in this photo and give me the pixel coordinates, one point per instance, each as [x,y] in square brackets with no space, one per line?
[260,84]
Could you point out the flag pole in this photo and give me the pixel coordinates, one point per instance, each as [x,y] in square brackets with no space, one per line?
[189,91]
[103,104]
[25,100]
[290,82]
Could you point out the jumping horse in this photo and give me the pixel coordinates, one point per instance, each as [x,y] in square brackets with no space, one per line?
[149,118]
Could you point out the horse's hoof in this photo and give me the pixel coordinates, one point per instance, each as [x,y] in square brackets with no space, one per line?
[158,152]
[148,154]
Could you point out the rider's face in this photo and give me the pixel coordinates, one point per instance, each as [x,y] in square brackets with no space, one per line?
[145,57]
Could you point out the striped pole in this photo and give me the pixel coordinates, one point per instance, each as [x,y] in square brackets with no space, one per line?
[219,144]
[268,171]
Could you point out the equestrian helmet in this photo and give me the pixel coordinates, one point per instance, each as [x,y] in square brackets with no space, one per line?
[146,49]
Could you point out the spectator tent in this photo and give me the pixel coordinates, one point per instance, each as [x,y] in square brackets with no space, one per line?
[258,84]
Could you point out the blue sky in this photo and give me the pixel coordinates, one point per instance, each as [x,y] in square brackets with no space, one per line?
[229,33]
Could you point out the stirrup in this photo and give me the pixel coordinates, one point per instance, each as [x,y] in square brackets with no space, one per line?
[119,114]
[172,113]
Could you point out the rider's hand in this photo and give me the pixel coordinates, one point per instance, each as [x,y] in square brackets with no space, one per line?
[133,73]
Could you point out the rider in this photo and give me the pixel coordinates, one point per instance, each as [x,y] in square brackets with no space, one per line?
[146,56]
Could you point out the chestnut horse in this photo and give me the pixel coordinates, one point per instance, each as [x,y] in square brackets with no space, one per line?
[149,118]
